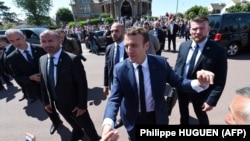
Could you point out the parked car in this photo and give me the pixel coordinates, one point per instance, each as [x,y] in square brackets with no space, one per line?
[231,30]
[99,39]
[32,34]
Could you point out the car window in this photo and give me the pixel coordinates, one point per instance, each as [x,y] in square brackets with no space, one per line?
[99,33]
[2,32]
[214,21]
[29,34]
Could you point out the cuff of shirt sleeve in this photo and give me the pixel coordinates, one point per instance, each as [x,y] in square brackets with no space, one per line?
[108,121]
[196,87]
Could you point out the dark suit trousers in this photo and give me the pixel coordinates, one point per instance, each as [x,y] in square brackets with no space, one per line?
[54,116]
[197,101]
[77,123]
[172,38]
[142,119]
[162,45]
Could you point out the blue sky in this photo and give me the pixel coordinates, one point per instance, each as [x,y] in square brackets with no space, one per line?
[159,7]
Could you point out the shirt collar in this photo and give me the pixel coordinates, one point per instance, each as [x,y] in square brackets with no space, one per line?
[56,55]
[28,48]
[121,44]
[144,64]
[201,44]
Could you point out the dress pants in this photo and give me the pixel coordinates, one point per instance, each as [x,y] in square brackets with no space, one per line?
[78,123]
[142,119]
[197,100]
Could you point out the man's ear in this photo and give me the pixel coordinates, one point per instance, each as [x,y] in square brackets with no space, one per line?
[146,45]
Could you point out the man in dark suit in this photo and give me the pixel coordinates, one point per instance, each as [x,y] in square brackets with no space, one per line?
[71,45]
[117,33]
[64,83]
[5,49]
[172,30]
[210,56]
[25,69]
[161,35]
[25,72]
[150,107]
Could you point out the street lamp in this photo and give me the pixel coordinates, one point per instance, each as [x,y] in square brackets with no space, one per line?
[177,6]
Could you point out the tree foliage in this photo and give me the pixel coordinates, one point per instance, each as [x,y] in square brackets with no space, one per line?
[37,11]
[239,8]
[64,15]
[195,11]
[5,14]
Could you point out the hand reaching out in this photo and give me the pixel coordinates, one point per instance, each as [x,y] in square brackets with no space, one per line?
[205,77]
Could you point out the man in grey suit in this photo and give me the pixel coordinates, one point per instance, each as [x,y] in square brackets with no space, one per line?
[144,105]
[64,83]
[154,44]
[211,56]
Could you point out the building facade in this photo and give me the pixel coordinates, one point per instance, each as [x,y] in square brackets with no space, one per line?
[83,9]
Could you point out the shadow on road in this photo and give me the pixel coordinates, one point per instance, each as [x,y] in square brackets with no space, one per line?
[96,96]
[9,93]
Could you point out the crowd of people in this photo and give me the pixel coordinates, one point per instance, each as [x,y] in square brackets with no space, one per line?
[135,75]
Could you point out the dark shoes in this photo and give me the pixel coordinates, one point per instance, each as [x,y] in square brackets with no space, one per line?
[54,127]
[24,97]
[76,135]
[118,123]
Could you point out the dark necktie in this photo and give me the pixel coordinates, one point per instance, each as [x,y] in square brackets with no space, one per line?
[51,80]
[30,60]
[117,56]
[142,90]
[192,62]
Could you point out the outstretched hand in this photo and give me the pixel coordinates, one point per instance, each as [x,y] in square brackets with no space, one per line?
[205,77]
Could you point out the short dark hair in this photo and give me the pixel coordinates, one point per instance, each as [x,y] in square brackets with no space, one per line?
[138,30]
[145,23]
[200,19]
[4,38]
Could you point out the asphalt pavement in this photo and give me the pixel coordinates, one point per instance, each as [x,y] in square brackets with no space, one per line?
[17,118]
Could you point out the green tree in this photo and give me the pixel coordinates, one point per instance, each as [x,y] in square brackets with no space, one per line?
[36,11]
[5,14]
[195,11]
[235,8]
[63,16]
[239,8]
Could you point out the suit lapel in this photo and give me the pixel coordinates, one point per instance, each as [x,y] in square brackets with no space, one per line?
[112,52]
[44,62]
[59,66]
[131,76]
[202,56]
[152,72]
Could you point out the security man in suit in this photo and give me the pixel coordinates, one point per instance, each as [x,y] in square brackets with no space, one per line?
[64,86]
[24,65]
[112,51]
[200,53]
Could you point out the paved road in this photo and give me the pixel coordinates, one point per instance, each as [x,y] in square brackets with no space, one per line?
[17,118]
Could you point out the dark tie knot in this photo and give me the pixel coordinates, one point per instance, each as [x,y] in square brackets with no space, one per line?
[139,67]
